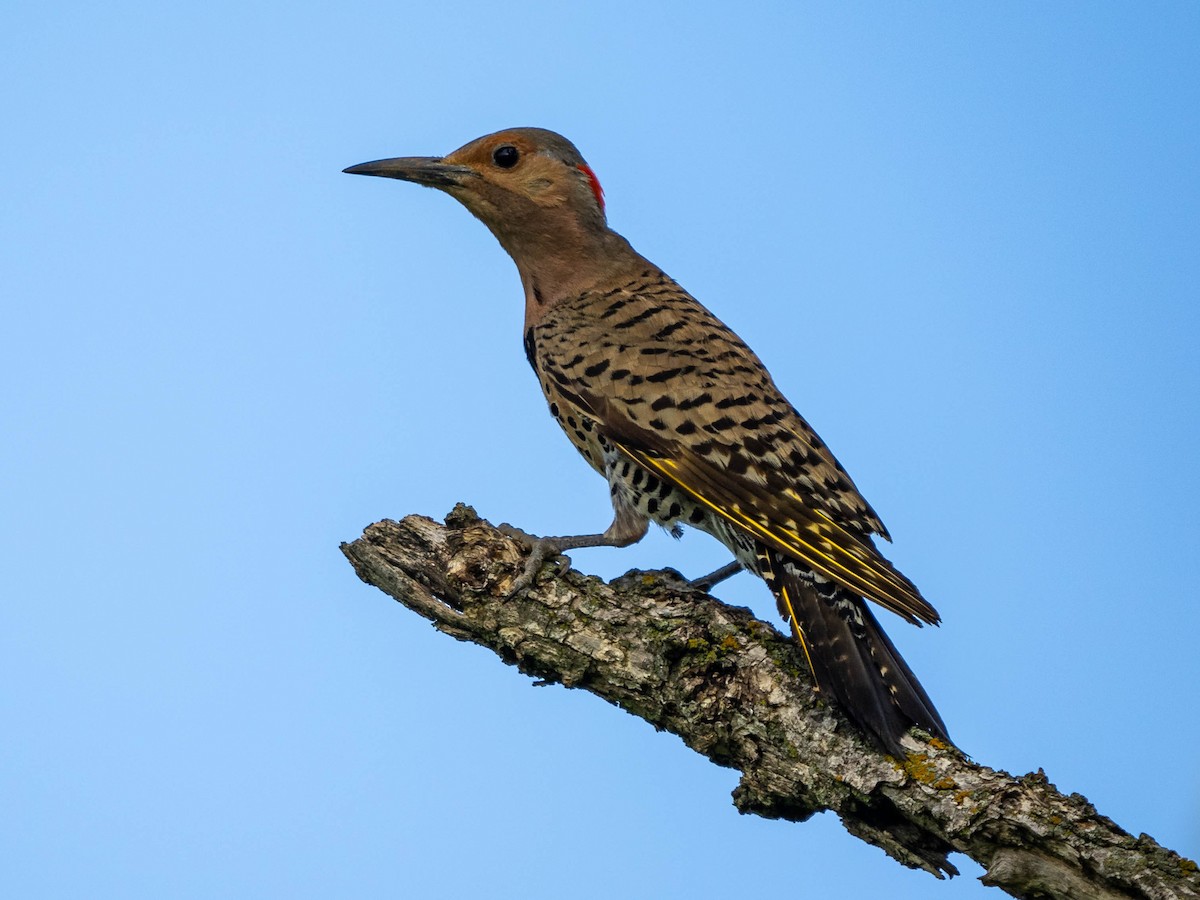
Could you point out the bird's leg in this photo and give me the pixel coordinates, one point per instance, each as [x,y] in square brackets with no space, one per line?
[626,528]
[709,581]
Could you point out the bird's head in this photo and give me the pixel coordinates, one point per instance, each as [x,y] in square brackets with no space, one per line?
[530,186]
[544,204]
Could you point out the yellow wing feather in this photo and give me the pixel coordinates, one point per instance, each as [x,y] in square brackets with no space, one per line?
[843,558]
[829,549]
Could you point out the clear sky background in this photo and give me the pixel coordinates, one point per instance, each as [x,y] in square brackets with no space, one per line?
[964,237]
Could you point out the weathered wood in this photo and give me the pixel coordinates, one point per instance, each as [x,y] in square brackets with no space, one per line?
[736,690]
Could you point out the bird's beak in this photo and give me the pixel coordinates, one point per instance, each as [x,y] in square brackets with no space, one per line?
[431,171]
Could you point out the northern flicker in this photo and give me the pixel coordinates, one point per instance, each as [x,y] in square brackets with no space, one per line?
[684,421]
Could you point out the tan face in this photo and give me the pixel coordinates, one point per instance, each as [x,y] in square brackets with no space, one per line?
[537,196]
[518,163]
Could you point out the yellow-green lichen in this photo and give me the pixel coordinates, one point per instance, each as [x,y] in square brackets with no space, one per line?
[712,652]
[920,768]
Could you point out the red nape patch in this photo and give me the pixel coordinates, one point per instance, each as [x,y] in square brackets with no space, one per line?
[595,182]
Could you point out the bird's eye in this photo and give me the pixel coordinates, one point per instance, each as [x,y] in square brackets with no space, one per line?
[505,156]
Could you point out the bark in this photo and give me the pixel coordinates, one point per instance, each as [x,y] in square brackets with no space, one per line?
[737,691]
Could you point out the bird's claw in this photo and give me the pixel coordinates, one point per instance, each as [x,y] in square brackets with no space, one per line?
[709,581]
[517,534]
[540,550]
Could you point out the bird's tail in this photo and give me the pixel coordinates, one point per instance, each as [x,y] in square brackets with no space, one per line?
[851,657]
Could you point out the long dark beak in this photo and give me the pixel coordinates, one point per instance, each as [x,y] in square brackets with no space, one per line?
[431,171]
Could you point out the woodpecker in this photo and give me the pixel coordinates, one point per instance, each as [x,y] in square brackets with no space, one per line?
[685,422]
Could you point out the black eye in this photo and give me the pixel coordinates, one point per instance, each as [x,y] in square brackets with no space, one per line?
[505,156]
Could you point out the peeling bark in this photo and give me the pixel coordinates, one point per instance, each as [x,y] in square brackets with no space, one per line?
[737,691]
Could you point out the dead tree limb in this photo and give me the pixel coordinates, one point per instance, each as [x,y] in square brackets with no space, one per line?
[736,690]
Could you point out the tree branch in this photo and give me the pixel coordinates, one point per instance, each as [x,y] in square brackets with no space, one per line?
[736,690]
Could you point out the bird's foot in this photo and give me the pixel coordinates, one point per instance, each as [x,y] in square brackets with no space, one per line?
[540,550]
[709,581]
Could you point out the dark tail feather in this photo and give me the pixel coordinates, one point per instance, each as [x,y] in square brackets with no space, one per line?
[854,660]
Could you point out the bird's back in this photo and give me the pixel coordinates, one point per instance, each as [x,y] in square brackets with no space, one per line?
[666,365]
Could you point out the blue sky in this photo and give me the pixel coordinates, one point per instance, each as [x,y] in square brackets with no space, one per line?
[964,239]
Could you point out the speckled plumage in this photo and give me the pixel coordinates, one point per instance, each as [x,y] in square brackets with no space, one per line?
[643,371]
[684,421]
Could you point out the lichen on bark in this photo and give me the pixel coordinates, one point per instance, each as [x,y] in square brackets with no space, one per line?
[738,692]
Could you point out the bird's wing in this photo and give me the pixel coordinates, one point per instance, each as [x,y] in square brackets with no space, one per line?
[705,415]
[765,507]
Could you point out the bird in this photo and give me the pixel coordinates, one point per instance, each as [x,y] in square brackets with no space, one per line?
[685,423]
